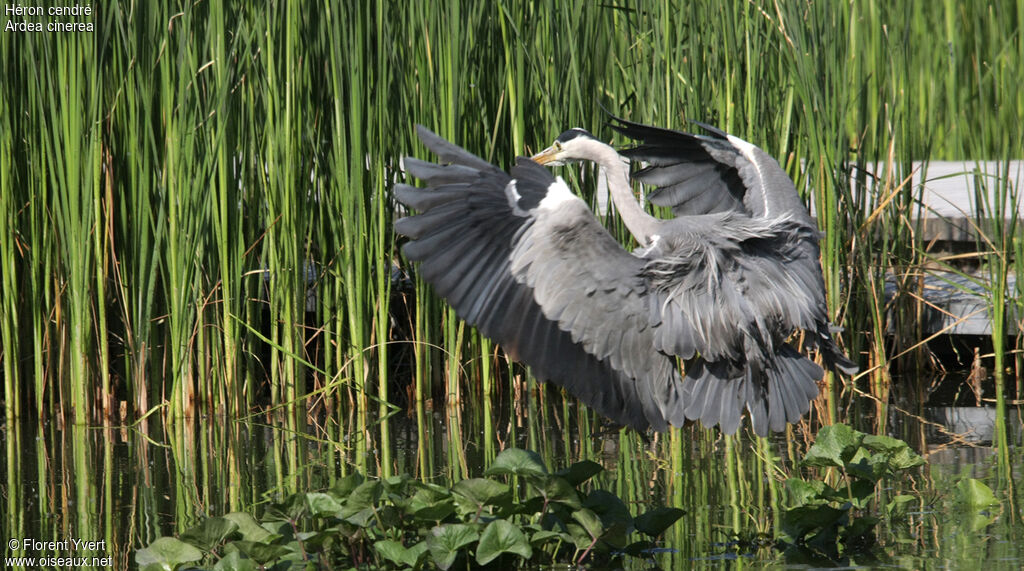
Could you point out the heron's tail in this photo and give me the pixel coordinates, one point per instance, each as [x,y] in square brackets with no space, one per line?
[831,354]
[781,394]
[835,360]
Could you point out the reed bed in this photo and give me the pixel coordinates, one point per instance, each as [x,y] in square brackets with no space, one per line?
[196,197]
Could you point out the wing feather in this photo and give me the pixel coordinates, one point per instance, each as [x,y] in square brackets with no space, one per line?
[731,289]
[583,279]
[522,258]
[717,172]
[484,240]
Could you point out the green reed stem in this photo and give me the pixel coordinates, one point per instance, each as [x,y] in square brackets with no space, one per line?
[9,345]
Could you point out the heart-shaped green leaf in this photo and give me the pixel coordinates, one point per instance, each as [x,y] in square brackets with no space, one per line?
[210,533]
[518,462]
[499,537]
[655,522]
[167,553]
[445,541]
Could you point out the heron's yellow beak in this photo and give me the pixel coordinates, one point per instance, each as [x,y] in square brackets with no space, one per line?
[548,156]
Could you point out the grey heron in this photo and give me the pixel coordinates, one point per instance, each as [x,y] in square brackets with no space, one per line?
[722,286]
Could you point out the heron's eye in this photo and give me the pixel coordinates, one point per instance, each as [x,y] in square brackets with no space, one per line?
[558,146]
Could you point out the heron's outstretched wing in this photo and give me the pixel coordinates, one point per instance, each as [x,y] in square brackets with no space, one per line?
[523,259]
[703,174]
[583,278]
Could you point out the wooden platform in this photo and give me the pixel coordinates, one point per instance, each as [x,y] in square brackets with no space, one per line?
[957,196]
[957,305]
[955,200]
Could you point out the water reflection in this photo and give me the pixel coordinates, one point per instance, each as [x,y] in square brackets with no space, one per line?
[125,487]
[968,424]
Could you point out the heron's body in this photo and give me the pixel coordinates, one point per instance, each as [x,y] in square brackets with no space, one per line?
[722,285]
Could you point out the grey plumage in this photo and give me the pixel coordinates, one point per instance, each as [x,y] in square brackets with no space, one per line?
[702,174]
[723,285]
[489,263]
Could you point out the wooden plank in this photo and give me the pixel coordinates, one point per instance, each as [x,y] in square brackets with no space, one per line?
[958,305]
[955,195]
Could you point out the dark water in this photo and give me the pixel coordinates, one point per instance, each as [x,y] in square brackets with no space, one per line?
[95,495]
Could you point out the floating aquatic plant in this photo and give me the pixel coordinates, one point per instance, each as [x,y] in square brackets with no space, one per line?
[517,514]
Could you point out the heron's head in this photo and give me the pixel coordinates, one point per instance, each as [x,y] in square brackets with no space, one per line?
[573,145]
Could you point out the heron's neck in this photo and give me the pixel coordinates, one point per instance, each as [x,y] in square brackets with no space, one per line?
[640,224]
